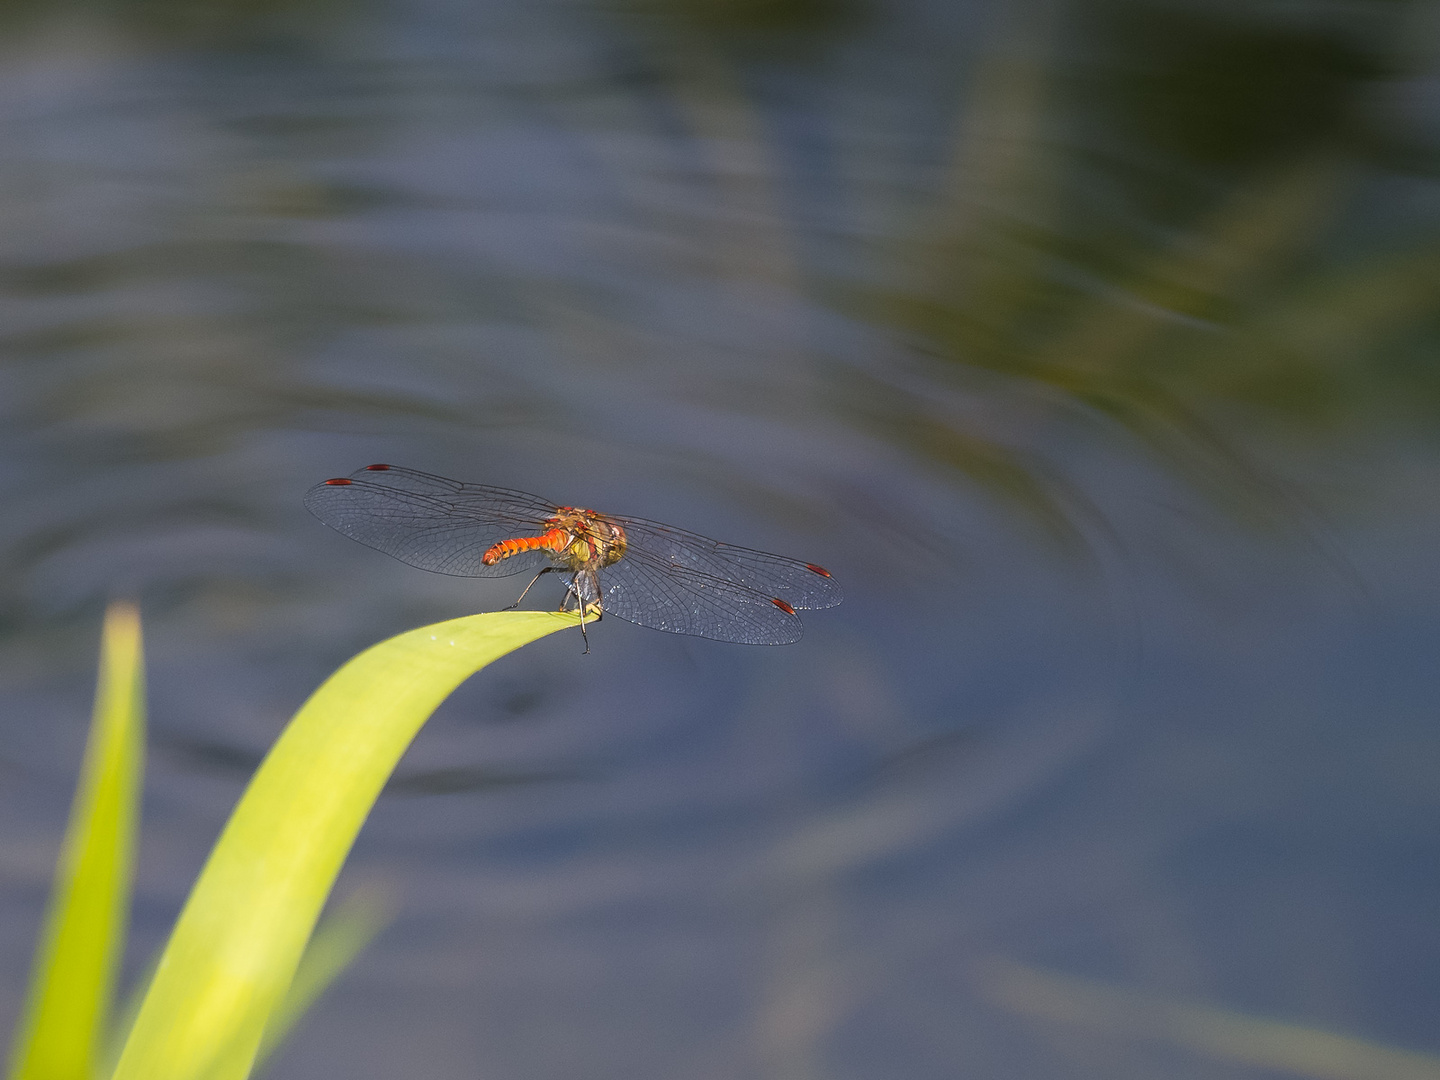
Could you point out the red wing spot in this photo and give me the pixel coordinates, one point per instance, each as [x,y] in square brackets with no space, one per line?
[338,482]
[818,569]
[377,468]
[786,608]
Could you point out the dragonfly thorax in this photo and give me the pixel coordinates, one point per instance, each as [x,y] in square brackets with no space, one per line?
[591,541]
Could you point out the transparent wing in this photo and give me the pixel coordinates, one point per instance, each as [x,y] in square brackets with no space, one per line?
[667,596]
[800,584]
[427,521]
[519,505]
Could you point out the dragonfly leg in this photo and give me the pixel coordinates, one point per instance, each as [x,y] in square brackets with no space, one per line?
[571,590]
[582,605]
[537,577]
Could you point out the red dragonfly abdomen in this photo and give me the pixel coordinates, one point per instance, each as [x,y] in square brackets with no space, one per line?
[556,540]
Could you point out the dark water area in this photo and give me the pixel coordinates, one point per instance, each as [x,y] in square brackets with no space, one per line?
[1093,347]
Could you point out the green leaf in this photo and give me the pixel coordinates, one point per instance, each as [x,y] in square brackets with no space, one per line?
[73,979]
[341,936]
[236,945]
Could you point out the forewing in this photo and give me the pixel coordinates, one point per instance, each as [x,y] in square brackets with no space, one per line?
[681,600]
[427,521]
[800,584]
[518,506]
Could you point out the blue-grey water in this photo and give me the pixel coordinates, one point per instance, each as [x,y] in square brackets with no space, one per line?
[1093,348]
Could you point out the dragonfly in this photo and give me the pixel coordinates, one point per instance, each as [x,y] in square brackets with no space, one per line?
[641,571]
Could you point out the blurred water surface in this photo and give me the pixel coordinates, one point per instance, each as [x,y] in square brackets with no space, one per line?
[1091,346]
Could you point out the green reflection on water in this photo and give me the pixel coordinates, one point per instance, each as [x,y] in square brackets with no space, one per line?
[1153,214]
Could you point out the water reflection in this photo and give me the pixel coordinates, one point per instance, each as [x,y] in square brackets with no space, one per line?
[1193,271]
[917,289]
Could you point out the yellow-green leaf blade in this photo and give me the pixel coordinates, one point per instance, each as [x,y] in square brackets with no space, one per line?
[339,938]
[238,940]
[73,979]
